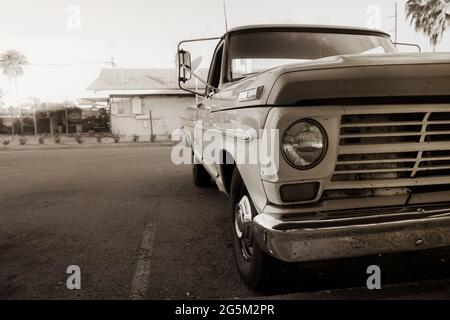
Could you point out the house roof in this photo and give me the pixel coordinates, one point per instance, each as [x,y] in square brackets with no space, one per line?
[156,80]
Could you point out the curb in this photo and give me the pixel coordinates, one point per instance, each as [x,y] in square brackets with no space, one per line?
[86,146]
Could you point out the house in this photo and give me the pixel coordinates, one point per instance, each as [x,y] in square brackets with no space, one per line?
[143,101]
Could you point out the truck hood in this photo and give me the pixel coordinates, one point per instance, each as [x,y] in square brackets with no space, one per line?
[342,78]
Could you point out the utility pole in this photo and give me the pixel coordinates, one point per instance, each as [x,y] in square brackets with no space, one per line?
[35,121]
[395,16]
[151,124]
[113,64]
[396,21]
[67,120]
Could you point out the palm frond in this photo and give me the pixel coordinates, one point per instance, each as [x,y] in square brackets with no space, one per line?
[12,62]
[432,17]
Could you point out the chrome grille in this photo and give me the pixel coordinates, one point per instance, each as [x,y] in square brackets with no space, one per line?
[393,146]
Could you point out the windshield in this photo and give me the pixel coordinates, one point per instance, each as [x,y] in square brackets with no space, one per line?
[258,51]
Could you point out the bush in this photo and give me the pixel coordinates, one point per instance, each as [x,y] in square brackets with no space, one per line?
[135,138]
[57,138]
[22,140]
[78,138]
[6,141]
[116,138]
[41,139]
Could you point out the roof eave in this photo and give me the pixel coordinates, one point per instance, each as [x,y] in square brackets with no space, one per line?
[142,92]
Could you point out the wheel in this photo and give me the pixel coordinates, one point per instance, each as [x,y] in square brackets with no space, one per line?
[202,179]
[257,268]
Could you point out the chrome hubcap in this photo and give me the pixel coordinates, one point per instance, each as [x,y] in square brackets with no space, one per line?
[242,223]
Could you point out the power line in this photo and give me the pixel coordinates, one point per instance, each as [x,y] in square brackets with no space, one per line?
[65,64]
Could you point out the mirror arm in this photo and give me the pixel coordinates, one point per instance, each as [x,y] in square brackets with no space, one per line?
[199,79]
[197,40]
[409,44]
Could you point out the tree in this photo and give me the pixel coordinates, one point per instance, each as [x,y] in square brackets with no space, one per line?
[12,62]
[432,17]
[1,97]
[35,105]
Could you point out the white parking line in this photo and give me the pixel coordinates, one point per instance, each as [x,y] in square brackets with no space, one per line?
[141,277]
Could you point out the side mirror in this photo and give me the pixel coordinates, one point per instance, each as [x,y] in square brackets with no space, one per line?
[187,69]
[184,66]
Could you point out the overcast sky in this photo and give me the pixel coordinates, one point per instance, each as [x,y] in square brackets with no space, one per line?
[66,50]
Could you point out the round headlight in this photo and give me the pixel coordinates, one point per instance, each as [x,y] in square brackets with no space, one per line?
[304,144]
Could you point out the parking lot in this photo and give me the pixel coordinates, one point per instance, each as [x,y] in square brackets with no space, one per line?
[138,228]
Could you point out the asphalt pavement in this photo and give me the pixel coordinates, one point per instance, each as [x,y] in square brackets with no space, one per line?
[138,228]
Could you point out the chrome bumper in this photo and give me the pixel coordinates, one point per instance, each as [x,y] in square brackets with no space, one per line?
[353,235]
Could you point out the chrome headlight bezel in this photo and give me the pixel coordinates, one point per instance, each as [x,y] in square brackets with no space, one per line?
[324,143]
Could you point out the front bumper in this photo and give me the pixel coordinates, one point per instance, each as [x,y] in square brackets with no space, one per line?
[353,235]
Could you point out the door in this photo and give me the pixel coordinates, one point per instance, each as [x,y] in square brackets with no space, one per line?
[205,107]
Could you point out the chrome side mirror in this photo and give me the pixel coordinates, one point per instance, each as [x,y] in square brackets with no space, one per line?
[184,66]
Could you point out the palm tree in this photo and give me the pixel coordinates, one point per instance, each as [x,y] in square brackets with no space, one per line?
[12,62]
[1,97]
[432,17]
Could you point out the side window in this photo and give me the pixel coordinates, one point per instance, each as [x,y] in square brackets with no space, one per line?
[214,71]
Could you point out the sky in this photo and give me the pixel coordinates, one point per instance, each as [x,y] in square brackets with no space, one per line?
[68,42]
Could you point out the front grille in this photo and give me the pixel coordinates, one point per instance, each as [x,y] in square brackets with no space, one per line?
[393,146]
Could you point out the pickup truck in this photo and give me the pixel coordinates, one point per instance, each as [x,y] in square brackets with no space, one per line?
[361,154]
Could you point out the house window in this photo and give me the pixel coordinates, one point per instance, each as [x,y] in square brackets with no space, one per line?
[121,108]
[137,106]
[114,108]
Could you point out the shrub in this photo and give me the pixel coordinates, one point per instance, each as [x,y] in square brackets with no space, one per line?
[116,138]
[6,141]
[41,139]
[78,138]
[22,140]
[57,138]
[135,138]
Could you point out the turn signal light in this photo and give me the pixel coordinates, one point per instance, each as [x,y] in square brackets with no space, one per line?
[299,192]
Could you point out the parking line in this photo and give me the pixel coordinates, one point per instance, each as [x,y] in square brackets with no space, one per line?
[141,279]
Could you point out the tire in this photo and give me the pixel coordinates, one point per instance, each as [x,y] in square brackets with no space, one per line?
[260,271]
[201,177]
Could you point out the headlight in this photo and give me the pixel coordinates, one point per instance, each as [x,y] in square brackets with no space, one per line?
[304,144]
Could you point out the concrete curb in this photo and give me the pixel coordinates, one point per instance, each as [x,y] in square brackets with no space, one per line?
[86,146]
